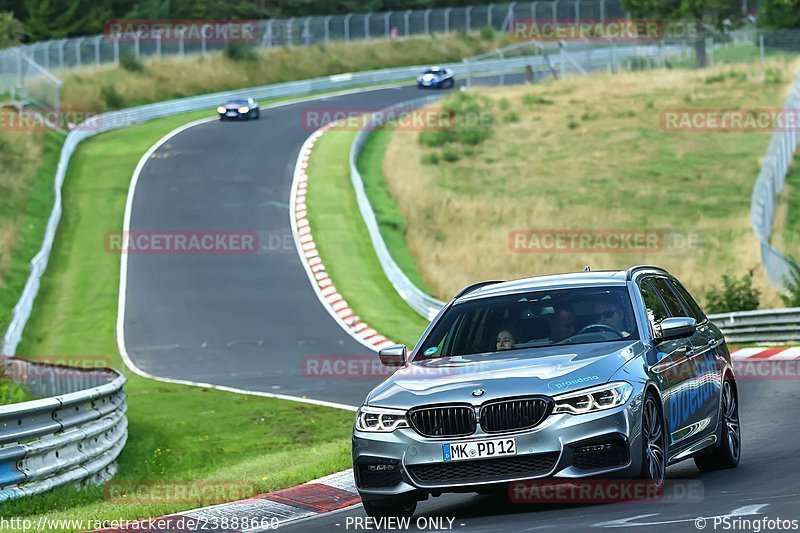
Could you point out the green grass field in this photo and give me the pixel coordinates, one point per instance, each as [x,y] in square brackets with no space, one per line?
[176,433]
[390,220]
[344,245]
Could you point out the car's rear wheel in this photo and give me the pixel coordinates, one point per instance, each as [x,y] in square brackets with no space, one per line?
[727,452]
[654,456]
[390,507]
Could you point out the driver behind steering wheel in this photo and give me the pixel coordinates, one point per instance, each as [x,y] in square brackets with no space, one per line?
[610,314]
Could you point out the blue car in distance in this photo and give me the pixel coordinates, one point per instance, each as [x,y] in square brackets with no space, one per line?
[239,109]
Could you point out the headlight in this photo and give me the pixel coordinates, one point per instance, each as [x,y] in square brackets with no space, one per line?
[221,109]
[244,109]
[380,420]
[594,398]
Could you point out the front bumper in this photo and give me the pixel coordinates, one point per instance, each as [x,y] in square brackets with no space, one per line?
[561,447]
[234,115]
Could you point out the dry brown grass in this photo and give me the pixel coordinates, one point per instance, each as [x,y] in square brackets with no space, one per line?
[176,76]
[20,152]
[595,157]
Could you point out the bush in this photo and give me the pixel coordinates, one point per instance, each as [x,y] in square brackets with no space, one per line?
[773,76]
[504,104]
[112,98]
[236,51]
[511,116]
[450,155]
[534,99]
[733,295]
[488,33]
[130,62]
[791,298]
[472,121]
[430,159]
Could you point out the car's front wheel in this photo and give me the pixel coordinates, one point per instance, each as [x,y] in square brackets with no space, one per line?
[726,454]
[390,507]
[654,456]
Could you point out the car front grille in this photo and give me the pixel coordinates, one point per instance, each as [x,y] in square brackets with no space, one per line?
[512,415]
[484,470]
[443,421]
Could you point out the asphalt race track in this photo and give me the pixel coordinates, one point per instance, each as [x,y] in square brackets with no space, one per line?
[249,320]
[765,484]
[240,320]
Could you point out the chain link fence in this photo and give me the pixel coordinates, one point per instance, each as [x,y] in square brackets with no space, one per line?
[769,184]
[64,54]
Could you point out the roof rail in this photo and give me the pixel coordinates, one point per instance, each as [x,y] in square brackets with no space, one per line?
[632,270]
[476,286]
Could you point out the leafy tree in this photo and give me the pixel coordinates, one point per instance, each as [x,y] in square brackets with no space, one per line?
[779,14]
[11,30]
[733,295]
[55,19]
[717,13]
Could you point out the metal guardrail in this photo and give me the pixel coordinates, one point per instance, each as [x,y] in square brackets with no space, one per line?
[769,325]
[769,184]
[74,434]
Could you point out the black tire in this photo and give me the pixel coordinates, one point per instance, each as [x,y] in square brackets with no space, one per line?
[654,441]
[258,114]
[728,451]
[390,507]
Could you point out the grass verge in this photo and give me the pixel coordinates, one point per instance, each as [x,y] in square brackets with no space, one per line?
[344,245]
[569,155]
[177,434]
[390,220]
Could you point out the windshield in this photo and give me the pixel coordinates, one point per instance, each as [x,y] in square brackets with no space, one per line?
[533,320]
[434,71]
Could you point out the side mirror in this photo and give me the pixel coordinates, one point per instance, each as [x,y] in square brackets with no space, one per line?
[677,327]
[393,355]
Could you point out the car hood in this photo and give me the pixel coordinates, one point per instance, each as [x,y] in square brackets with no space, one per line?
[548,371]
[234,106]
[430,77]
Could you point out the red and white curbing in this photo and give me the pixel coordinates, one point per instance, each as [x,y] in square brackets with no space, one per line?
[265,512]
[331,299]
[766,354]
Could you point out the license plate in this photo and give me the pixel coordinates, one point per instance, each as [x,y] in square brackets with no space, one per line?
[478,449]
[231,113]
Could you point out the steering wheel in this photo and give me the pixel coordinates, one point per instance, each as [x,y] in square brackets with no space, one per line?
[601,327]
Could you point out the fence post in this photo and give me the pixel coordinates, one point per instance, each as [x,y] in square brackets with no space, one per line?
[447,19]
[307,31]
[489,10]
[427,21]
[347,27]
[181,43]
[116,51]
[97,49]
[469,18]
[555,12]
[136,45]
[577,11]
[366,25]
[602,11]
[288,26]
[328,29]
[386,28]
[78,42]
[266,42]
[761,47]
